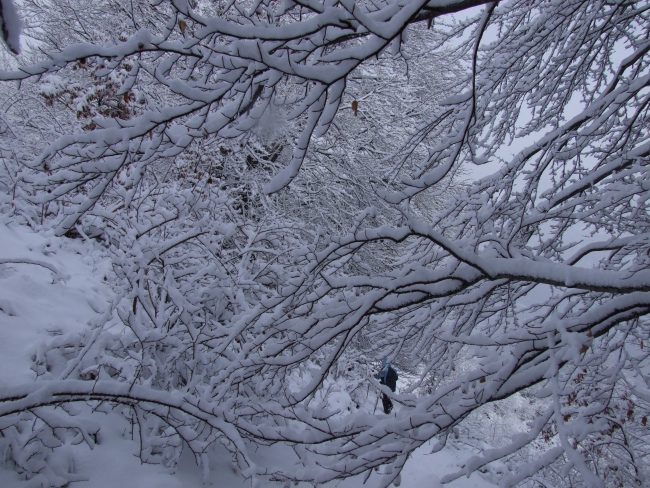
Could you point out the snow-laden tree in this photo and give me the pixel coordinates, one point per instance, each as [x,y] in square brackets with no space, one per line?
[535,278]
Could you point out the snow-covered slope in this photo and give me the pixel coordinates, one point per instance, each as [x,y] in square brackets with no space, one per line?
[51,286]
[48,286]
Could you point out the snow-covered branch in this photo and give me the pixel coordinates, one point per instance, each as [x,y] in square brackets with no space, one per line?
[279,186]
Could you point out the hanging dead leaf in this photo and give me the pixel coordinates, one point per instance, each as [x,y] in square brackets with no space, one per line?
[126,97]
[182,25]
[355,106]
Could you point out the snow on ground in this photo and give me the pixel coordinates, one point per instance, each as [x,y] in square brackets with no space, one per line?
[50,286]
[37,303]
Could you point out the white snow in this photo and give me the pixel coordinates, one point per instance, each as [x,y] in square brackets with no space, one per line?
[36,303]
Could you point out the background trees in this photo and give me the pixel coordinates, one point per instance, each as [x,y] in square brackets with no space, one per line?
[530,281]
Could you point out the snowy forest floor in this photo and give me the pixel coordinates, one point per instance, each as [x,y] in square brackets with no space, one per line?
[34,307]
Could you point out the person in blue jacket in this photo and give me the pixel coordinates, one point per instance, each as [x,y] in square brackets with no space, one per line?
[387,376]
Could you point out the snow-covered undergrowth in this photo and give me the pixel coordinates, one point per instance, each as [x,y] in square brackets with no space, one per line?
[53,289]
